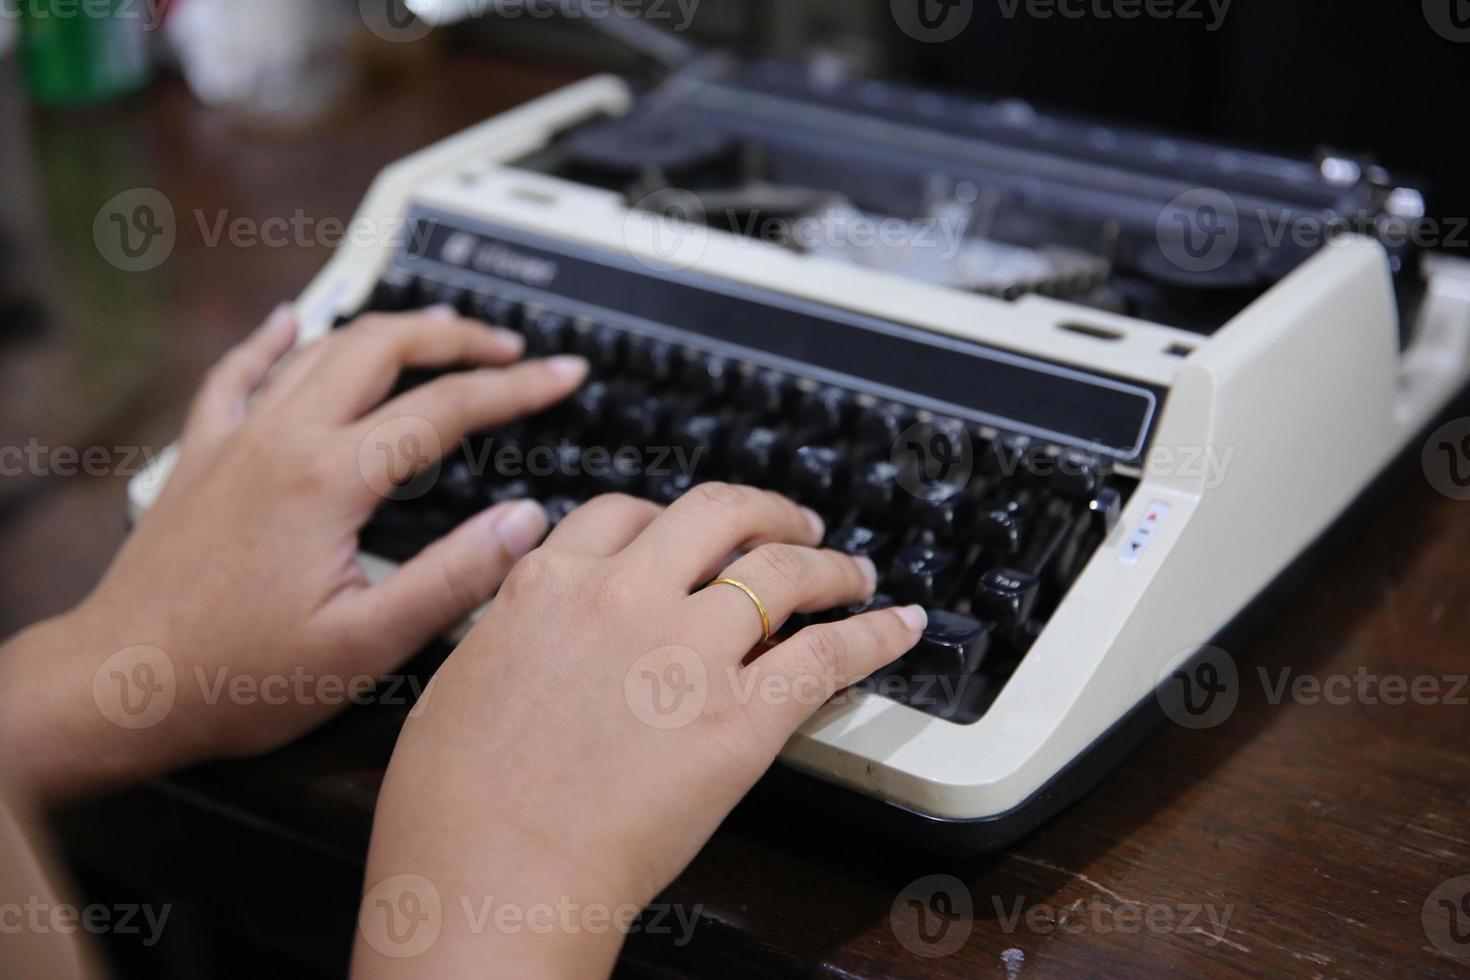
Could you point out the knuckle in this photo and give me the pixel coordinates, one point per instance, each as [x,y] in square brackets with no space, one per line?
[615,505]
[785,563]
[533,574]
[722,495]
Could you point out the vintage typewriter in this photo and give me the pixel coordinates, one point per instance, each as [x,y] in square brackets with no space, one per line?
[1084,392]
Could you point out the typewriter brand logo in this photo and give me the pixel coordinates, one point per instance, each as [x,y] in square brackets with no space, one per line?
[667,231]
[666,688]
[931,459]
[1446,917]
[392,21]
[933,21]
[1450,19]
[136,231]
[1199,230]
[1203,691]
[401,916]
[134,688]
[933,916]
[508,263]
[401,458]
[1446,459]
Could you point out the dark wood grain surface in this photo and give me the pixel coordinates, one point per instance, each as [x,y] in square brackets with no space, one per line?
[1300,837]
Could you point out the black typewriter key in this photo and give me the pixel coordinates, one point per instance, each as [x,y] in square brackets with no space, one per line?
[761,391]
[651,358]
[873,603]
[588,409]
[823,409]
[639,422]
[707,374]
[875,487]
[699,437]
[953,644]
[459,487]
[945,510]
[448,294]
[562,465]
[879,424]
[1074,474]
[754,456]
[1007,456]
[397,290]
[860,542]
[1001,525]
[499,311]
[669,487]
[1105,510]
[546,332]
[1008,597]
[816,474]
[611,471]
[600,344]
[920,575]
[512,490]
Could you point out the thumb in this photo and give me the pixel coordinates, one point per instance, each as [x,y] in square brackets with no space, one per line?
[449,580]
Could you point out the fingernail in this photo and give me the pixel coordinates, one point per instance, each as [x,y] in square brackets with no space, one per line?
[441,311]
[568,367]
[508,337]
[870,571]
[914,617]
[281,317]
[819,526]
[521,528]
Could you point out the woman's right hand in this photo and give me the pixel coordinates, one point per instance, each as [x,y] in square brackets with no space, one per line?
[593,730]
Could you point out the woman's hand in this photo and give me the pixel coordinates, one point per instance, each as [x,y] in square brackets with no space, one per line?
[598,724]
[236,617]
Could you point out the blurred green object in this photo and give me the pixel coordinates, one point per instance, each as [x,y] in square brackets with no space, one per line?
[84,51]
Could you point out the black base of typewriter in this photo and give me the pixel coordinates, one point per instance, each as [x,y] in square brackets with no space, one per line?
[789,787]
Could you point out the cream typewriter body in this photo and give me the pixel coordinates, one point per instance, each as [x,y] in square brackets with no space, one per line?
[1229,448]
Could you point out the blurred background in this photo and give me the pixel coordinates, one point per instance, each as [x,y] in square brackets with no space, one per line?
[283,110]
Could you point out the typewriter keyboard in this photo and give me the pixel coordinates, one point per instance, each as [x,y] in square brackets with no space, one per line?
[986,529]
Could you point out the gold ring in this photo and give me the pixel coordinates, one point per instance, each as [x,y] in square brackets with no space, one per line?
[760,607]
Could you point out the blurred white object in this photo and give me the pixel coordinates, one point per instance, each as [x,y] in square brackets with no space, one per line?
[285,59]
[437,12]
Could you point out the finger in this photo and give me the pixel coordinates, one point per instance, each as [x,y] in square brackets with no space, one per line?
[713,520]
[787,579]
[362,362]
[821,660]
[222,399]
[446,582]
[604,525]
[417,429]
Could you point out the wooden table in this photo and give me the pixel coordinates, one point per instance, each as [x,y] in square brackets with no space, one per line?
[1296,838]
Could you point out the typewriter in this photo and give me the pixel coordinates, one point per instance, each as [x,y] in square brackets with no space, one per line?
[1086,393]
